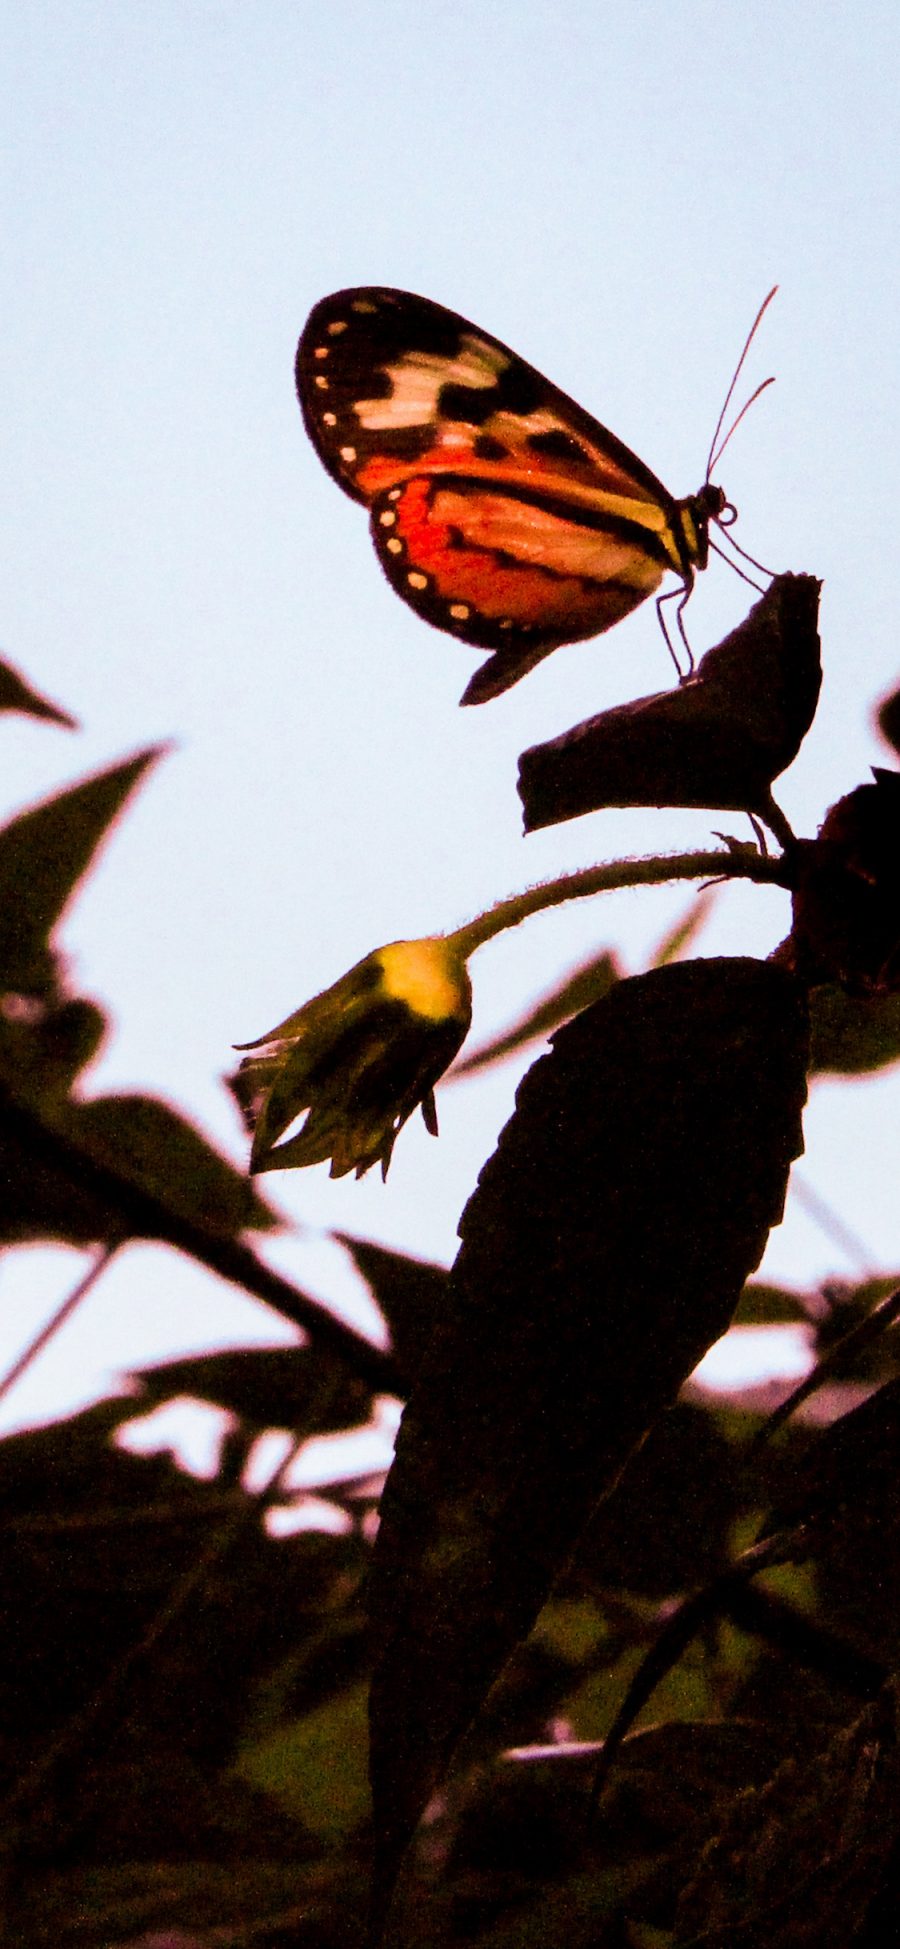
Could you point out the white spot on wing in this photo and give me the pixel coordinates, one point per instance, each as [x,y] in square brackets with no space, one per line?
[418,378]
[417,580]
[395,547]
[460,612]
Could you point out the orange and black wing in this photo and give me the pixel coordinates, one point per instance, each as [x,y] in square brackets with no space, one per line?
[500,510]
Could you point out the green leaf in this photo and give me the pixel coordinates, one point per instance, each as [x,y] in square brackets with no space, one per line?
[16,694]
[316,1767]
[604,1250]
[44,853]
[761,1304]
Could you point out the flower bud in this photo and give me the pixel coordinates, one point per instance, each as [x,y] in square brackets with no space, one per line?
[358,1059]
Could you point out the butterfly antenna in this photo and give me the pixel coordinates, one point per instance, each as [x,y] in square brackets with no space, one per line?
[713,454]
[715,457]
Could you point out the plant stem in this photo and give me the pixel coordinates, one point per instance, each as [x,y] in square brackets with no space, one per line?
[654,871]
[58,1319]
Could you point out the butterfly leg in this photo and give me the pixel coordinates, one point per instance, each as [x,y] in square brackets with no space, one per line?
[682,596]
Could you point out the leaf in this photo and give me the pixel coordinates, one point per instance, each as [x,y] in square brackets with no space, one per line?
[160,1152]
[761,1304]
[55,1187]
[603,1251]
[593,979]
[50,1190]
[301,1388]
[846,1479]
[888,719]
[44,1045]
[316,1767]
[800,1863]
[16,694]
[719,740]
[846,898]
[44,853]
[852,1035]
[411,1293]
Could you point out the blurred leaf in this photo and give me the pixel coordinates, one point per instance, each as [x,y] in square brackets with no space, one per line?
[16,694]
[851,1035]
[587,984]
[410,1293]
[762,1304]
[887,718]
[718,740]
[44,854]
[148,1148]
[159,1151]
[301,1388]
[799,1863]
[316,1768]
[603,1251]
[57,1187]
[103,1602]
[847,1477]
[44,1045]
[685,930]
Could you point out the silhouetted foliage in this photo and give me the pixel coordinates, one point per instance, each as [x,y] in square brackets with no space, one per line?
[579,1542]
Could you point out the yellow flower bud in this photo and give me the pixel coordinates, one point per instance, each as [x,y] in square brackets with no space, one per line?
[358,1059]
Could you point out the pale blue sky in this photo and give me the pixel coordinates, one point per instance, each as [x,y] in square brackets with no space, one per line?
[611,189]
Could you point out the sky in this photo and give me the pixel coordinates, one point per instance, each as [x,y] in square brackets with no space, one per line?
[611,190]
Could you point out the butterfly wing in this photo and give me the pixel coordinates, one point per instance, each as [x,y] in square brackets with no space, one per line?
[501,511]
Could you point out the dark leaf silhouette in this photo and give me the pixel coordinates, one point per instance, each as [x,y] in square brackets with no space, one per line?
[847,893]
[58,1187]
[800,1863]
[142,1145]
[847,1478]
[718,740]
[850,1035]
[127,1682]
[603,1251]
[43,856]
[411,1293]
[16,694]
[300,1388]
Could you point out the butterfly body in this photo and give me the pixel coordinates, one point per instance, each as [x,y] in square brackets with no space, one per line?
[500,510]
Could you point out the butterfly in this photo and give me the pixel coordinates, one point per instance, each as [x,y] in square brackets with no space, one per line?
[500,510]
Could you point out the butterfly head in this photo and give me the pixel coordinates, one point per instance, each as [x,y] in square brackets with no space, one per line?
[697,512]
